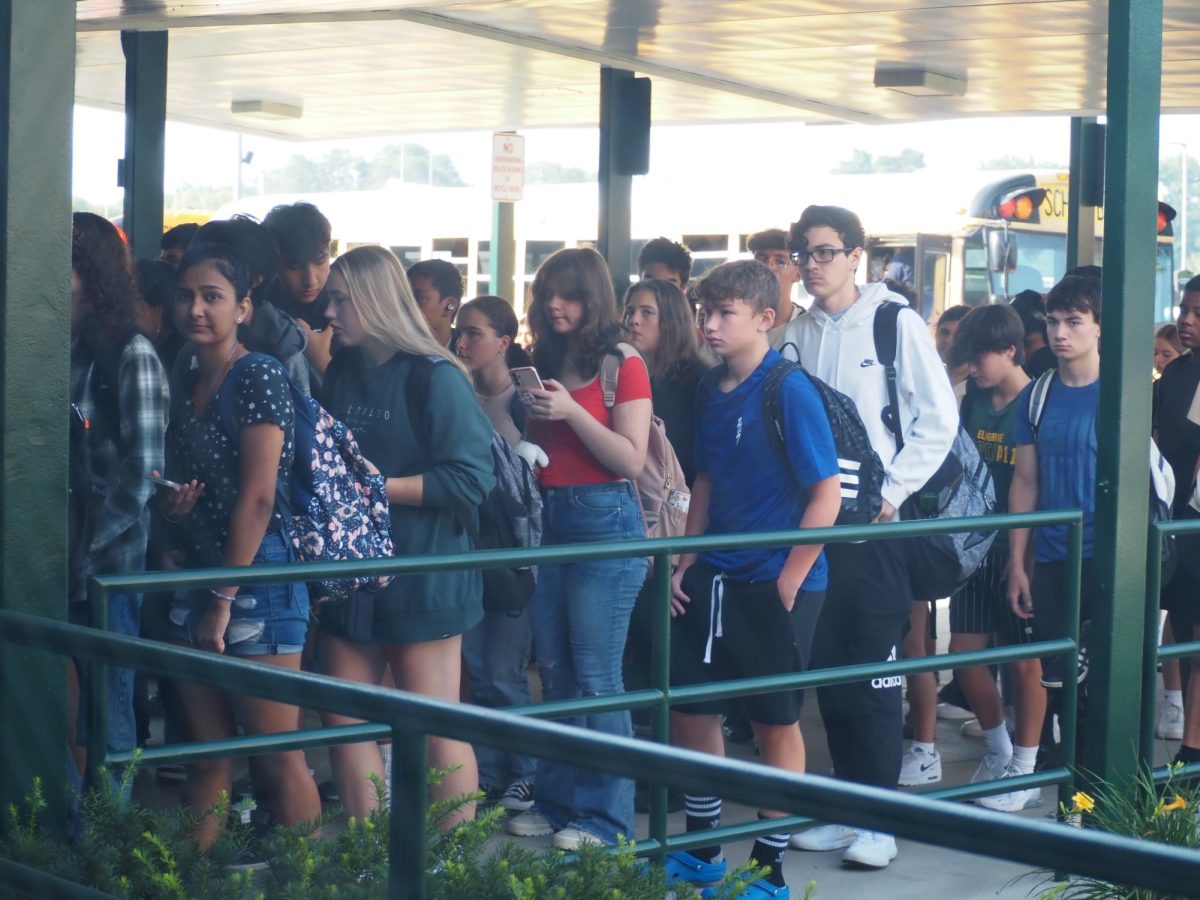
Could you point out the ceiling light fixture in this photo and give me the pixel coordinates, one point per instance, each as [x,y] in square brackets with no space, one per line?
[917,81]
[267,109]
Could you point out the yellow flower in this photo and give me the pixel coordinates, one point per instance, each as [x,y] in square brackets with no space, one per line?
[1083,802]
[1177,803]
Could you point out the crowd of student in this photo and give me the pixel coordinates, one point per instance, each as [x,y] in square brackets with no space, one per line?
[187,367]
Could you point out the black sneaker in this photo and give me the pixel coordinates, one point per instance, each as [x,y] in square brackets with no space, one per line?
[737,729]
[491,796]
[518,797]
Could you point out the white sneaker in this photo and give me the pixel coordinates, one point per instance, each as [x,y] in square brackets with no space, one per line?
[971,729]
[824,837]
[572,838]
[918,767]
[529,824]
[950,713]
[872,849]
[1013,801]
[991,767]
[1170,722]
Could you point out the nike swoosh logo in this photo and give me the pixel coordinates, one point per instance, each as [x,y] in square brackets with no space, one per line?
[927,767]
[866,364]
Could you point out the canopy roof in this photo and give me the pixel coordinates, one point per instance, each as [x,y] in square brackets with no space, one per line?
[372,67]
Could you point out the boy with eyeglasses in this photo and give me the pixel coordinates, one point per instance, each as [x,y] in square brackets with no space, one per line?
[770,248]
[870,596]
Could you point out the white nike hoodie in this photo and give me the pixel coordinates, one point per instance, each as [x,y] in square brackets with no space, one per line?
[842,354]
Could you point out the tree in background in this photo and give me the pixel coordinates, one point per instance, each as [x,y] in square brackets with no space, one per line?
[863,163]
[1020,162]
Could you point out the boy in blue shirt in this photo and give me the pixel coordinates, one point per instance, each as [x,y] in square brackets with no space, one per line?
[748,613]
[1056,467]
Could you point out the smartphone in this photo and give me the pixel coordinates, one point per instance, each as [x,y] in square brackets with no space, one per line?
[526,378]
[163,482]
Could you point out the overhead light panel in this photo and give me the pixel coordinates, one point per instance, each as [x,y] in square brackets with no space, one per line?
[267,109]
[918,81]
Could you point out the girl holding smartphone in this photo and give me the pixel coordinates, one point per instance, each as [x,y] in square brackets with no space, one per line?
[580,611]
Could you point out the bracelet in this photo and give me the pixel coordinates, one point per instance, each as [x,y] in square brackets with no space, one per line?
[227,597]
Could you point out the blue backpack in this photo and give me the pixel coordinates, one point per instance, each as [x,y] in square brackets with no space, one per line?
[334,506]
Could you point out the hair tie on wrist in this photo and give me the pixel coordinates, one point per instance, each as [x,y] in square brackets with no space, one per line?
[220,596]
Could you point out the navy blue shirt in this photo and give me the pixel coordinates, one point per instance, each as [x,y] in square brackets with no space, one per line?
[752,489]
[1066,455]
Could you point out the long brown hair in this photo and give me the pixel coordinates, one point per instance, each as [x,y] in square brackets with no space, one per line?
[579,274]
[678,344]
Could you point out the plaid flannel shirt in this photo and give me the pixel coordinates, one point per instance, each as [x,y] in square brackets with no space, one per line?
[122,465]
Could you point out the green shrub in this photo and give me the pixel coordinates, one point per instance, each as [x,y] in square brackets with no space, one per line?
[132,852]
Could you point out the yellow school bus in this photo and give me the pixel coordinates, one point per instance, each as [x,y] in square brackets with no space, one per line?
[1011,236]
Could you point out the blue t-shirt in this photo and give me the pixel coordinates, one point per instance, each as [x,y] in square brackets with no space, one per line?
[1066,454]
[751,488]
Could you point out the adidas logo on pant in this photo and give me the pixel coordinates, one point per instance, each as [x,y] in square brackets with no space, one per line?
[893,681]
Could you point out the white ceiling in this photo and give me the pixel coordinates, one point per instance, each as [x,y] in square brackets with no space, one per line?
[367,67]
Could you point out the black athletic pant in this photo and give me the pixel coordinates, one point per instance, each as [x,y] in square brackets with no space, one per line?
[866,608]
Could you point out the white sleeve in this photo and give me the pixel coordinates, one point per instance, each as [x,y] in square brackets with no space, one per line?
[928,412]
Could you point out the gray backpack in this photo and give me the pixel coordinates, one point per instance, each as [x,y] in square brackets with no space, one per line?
[962,486]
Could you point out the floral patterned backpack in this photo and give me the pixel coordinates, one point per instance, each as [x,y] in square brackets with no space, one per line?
[335,507]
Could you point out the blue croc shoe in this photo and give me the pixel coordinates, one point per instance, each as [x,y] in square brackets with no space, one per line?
[758,890]
[682,866]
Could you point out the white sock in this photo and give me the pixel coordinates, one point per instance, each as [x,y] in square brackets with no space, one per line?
[1174,698]
[998,741]
[926,748]
[1024,759]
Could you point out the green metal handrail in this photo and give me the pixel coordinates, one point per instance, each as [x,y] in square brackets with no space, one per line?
[659,698]
[1154,653]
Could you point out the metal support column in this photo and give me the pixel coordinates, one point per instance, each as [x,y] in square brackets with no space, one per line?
[1081,204]
[37,68]
[502,255]
[1131,178]
[616,190]
[145,138]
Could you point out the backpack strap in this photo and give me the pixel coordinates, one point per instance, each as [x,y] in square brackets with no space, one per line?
[1037,399]
[610,369]
[773,409]
[226,396]
[886,331]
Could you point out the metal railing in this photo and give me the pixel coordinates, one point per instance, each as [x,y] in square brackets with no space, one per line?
[1154,653]
[408,719]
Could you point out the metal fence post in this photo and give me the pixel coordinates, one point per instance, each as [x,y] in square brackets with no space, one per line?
[660,667]
[1068,712]
[96,697]
[1150,648]
[406,833]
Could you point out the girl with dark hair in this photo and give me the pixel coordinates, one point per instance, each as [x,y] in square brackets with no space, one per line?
[662,329]
[496,651]
[231,445]
[119,406]
[580,611]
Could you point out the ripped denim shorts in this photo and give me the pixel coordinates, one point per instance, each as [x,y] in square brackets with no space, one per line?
[265,620]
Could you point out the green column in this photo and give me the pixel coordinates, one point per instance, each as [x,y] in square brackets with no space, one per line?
[1131,186]
[616,188]
[145,138]
[1087,153]
[37,62]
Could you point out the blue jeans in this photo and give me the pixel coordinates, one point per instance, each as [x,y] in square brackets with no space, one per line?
[580,615]
[496,653]
[124,617]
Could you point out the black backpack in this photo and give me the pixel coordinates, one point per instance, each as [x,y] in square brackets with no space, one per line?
[859,468]
[510,516]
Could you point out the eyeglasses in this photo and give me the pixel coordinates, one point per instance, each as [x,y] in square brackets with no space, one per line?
[775,262]
[821,254]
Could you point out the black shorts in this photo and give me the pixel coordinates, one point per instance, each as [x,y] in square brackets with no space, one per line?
[981,605]
[749,634]
[1181,595]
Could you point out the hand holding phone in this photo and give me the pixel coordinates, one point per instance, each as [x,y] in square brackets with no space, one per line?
[163,482]
[526,379]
